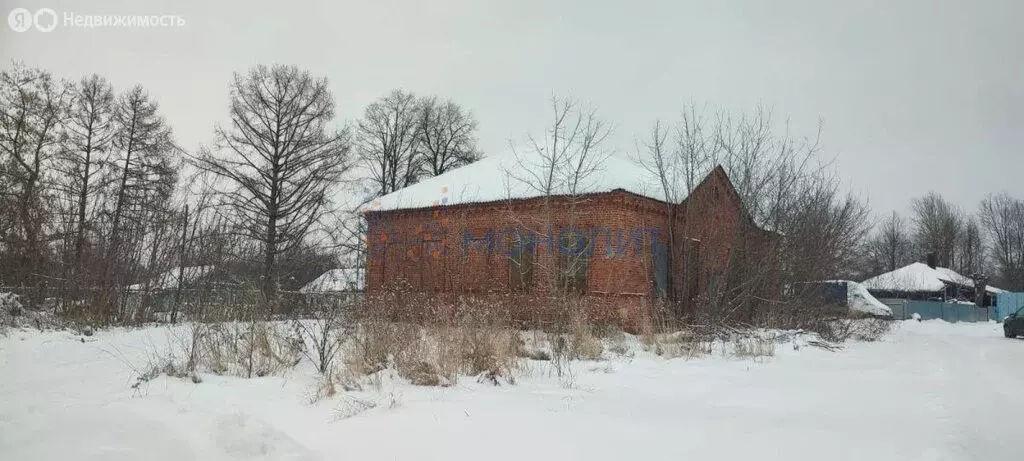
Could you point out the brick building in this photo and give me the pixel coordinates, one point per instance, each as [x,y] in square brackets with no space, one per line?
[473,231]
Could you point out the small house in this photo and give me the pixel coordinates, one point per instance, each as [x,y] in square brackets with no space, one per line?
[929,282]
[482,230]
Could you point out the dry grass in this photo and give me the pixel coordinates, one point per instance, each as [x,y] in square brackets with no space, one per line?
[489,350]
[839,330]
[677,344]
[351,406]
[871,329]
[534,345]
[583,345]
[376,345]
[248,349]
[325,387]
[753,347]
[251,349]
[434,355]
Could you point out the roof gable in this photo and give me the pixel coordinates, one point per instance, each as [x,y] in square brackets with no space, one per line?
[718,176]
[919,277]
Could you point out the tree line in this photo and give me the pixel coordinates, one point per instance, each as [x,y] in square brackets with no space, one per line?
[94,199]
[97,196]
[986,243]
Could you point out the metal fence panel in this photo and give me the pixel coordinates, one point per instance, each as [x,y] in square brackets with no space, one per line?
[949,312]
[1007,303]
[898,306]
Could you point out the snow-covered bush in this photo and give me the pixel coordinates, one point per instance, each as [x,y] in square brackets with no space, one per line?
[14,315]
[10,305]
[860,329]
[9,309]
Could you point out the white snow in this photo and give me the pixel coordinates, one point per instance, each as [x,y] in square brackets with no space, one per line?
[335,280]
[929,391]
[993,290]
[506,176]
[919,277]
[860,300]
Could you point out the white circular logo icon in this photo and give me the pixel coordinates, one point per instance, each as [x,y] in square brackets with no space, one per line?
[20,19]
[45,19]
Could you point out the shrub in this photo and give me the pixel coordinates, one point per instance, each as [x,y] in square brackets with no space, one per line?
[376,344]
[238,349]
[420,373]
[489,350]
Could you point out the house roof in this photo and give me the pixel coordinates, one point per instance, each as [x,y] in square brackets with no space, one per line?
[347,279]
[510,177]
[919,277]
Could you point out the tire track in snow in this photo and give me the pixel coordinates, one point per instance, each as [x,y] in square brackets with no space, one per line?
[966,401]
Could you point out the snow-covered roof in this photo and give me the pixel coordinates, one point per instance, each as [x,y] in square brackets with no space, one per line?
[919,277]
[347,279]
[511,177]
[169,279]
[859,299]
[993,290]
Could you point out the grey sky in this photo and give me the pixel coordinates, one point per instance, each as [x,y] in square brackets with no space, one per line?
[915,95]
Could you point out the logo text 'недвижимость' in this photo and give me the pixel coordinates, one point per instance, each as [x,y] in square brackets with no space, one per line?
[46,20]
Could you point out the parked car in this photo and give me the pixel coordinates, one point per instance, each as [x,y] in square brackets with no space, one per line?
[1013,324]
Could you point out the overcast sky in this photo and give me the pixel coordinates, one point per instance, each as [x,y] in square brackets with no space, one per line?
[914,95]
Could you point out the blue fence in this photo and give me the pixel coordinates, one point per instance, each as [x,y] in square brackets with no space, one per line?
[905,309]
[1007,303]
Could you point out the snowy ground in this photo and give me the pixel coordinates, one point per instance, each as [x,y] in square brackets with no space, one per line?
[928,391]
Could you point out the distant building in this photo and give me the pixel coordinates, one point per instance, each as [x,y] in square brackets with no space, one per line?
[921,281]
[477,230]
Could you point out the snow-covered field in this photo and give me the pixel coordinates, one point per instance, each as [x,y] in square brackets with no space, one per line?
[928,391]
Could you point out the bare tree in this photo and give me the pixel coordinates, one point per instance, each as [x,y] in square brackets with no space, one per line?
[937,227]
[145,175]
[325,333]
[1003,218]
[387,139]
[891,246]
[784,188]
[971,249]
[89,129]
[559,168]
[278,158]
[446,136]
[32,106]
[679,164]
[571,150]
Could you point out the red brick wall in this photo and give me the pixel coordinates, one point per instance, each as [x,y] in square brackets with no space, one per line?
[426,248]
